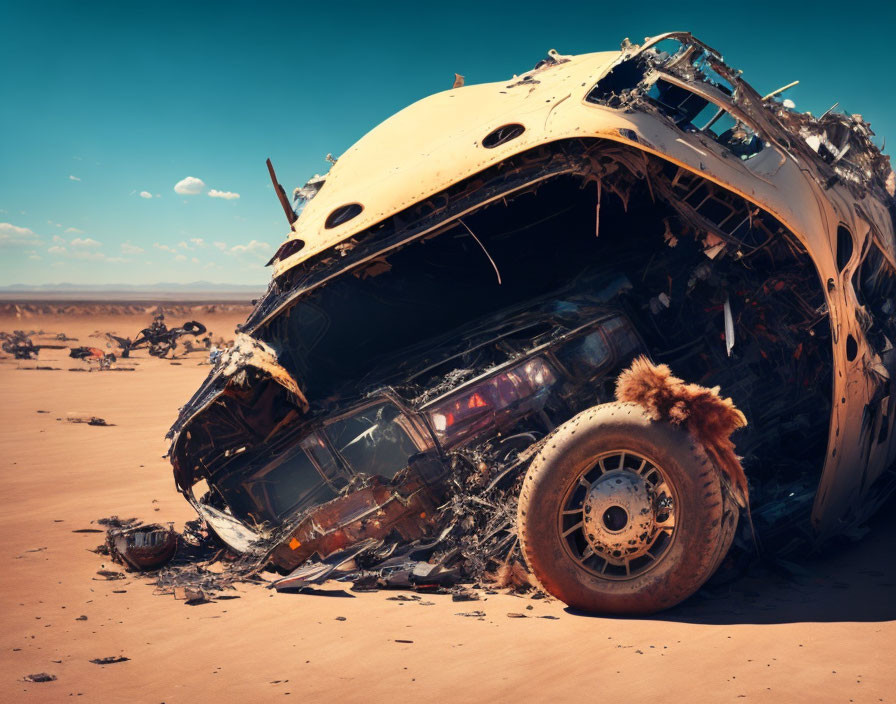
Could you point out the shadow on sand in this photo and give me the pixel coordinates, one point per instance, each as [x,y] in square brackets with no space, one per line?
[847,582]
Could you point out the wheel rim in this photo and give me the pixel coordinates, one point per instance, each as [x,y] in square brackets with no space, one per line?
[618,520]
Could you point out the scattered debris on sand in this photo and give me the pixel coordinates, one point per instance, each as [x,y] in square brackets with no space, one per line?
[110,660]
[102,359]
[158,338]
[110,575]
[89,420]
[19,345]
[142,547]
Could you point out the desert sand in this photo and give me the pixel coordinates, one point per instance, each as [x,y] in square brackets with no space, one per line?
[823,633]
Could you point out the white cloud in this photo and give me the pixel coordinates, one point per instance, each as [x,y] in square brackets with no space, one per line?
[59,240]
[195,243]
[164,248]
[221,245]
[84,242]
[14,236]
[190,186]
[128,248]
[74,231]
[180,258]
[35,257]
[147,194]
[226,195]
[82,254]
[73,178]
[252,247]
[98,257]
[91,256]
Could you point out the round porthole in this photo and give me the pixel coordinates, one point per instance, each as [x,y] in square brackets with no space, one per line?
[502,135]
[343,214]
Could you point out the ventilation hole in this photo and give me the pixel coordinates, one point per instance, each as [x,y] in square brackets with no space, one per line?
[343,214]
[844,247]
[287,249]
[852,347]
[502,135]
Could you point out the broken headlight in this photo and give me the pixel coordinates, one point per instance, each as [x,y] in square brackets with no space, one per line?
[492,403]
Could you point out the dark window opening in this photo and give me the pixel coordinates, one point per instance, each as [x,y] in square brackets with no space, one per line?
[613,88]
[316,447]
[874,283]
[624,339]
[852,348]
[844,247]
[693,113]
[287,249]
[678,103]
[292,482]
[343,214]
[502,135]
[586,355]
[373,441]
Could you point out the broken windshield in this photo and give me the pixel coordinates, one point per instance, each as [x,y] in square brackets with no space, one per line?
[292,482]
[585,355]
[373,441]
[690,61]
[694,113]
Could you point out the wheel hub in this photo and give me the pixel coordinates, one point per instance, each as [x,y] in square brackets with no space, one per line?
[620,516]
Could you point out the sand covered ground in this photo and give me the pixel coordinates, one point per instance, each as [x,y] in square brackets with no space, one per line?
[826,634]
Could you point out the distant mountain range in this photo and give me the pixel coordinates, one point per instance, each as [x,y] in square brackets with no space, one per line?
[194,291]
[195,286]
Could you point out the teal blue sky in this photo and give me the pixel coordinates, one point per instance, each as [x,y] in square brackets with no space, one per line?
[107,106]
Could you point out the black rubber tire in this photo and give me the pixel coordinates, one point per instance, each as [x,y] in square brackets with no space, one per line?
[706,514]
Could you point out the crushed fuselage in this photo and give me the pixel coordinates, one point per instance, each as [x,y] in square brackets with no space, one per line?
[756,250]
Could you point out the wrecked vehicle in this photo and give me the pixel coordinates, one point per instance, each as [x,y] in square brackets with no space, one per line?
[429,378]
[104,360]
[20,345]
[158,338]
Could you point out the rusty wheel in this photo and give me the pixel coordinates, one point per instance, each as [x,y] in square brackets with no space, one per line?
[621,514]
